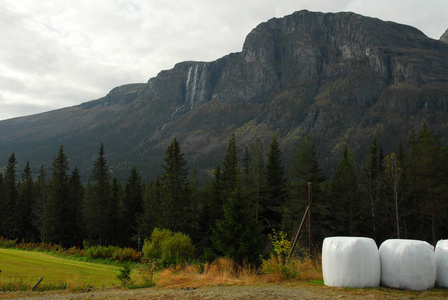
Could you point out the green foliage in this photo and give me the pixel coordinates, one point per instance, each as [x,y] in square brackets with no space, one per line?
[152,248]
[175,191]
[125,275]
[146,270]
[236,235]
[168,248]
[281,245]
[112,253]
[98,208]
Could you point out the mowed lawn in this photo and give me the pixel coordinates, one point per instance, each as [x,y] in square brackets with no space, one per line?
[22,269]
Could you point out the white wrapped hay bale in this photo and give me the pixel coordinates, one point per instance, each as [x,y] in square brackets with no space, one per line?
[442,263]
[350,262]
[407,264]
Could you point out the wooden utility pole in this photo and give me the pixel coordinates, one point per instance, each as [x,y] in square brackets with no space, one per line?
[309,216]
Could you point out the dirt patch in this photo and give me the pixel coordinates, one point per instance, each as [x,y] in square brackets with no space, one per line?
[233,292]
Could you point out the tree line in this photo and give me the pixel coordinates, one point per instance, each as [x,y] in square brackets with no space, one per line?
[397,195]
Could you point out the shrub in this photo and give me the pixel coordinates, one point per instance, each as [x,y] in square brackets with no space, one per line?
[168,248]
[281,245]
[177,249]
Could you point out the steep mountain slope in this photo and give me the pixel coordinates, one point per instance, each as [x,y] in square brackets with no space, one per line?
[340,77]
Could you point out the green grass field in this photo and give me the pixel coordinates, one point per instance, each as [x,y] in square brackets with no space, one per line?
[21,270]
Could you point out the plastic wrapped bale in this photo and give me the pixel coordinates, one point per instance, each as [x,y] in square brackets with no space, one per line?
[407,264]
[442,263]
[350,262]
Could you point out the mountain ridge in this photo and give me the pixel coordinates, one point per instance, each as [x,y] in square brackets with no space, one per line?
[341,77]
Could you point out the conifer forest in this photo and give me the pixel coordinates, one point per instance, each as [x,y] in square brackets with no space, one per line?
[402,194]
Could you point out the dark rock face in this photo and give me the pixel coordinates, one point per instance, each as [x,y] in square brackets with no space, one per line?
[340,77]
[444,37]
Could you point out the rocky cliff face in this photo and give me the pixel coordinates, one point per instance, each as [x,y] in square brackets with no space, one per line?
[340,77]
[444,37]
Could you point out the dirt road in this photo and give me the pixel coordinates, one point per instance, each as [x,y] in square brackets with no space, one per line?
[233,292]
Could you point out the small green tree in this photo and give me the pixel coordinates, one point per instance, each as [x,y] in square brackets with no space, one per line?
[125,275]
[281,245]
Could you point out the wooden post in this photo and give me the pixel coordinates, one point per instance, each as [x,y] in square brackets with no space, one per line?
[35,286]
[309,216]
[293,246]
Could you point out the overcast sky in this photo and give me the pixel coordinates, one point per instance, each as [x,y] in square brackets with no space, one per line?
[57,54]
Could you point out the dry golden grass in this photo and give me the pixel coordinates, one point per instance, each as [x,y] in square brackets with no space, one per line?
[224,271]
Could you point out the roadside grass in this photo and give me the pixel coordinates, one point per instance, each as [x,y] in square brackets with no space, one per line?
[21,270]
[223,271]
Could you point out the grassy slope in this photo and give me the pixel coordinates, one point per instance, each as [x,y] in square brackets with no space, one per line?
[22,269]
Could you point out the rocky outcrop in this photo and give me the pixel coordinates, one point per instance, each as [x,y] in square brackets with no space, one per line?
[444,37]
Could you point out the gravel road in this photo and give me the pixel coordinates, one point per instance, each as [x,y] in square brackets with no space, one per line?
[231,292]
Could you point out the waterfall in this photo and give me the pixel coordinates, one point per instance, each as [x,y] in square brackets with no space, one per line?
[196,84]
[196,80]
[190,85]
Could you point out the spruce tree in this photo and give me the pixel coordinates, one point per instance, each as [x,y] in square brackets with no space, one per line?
[117,229]
[257,182]
[176,192]
[372,183]
[9,199]
[97,204]
[275,187]
[23,226]
[305,169]
[40,200]
[132,204]
[236,235]
[75,206]
[231,166]
[57,208]
[152,209]
[426,188]
[345,207]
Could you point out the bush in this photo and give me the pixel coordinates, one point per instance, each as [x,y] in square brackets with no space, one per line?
[152,248]
[281,245]
[112,253]
[168,248]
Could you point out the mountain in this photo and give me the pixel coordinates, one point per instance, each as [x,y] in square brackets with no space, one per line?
[341,77]
[444,37]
